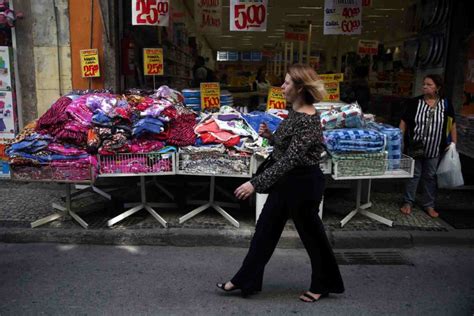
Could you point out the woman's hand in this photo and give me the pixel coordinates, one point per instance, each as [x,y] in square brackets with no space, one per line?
[244,191]
[264,131]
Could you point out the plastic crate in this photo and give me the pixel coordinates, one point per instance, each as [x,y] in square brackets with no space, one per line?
[214,164]
[137,164]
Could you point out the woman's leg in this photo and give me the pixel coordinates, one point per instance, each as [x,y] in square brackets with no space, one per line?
[268,230]
[428,179]
[412,184]
[325,276]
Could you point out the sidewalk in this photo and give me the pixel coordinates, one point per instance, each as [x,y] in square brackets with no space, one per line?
[23,203]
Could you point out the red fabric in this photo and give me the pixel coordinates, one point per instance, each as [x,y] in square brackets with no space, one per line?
[182,130]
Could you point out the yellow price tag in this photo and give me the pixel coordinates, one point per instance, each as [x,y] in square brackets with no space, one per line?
[153,61]
[332,77]
[210,95]
[275,99]
[90,63]
[332,89]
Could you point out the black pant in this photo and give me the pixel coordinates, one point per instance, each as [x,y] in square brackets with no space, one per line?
[297,195]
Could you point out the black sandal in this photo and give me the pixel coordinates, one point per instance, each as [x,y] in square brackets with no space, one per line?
[311,299]
[222,287]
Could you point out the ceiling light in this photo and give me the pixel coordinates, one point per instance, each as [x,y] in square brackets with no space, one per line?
[377,16]
[310,8]
[274,36]
[226,36]
[279,30]
[297,14]
[389,9]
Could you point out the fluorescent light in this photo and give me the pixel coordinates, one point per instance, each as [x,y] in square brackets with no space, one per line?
[279,30]
[310,8]
[377,16]
[297,14]
[274,36]
[389,9]
[226,36]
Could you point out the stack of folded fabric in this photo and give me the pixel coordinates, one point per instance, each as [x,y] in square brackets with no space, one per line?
[393,137]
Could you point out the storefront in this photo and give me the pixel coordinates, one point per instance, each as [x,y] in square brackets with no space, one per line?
[172,98]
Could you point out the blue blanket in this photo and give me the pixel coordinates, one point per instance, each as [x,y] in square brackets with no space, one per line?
[353,140]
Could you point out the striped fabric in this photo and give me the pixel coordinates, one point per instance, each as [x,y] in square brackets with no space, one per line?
[429,122]
[349,140]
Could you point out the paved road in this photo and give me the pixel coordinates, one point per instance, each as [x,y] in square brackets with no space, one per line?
[56,279]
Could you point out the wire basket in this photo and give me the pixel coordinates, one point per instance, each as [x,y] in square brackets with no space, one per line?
[54,172]
[136,164]
[373,168]
[216,164]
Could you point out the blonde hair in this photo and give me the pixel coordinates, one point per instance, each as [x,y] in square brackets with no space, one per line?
[304,77]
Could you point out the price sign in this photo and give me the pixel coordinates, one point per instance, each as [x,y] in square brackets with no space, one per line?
[275,99]
[150,12]
[208,15]
[368,47]
[332,89]
[332,77]
[90,63]
[210,96]
[249,15]
[153,61]
[342,17]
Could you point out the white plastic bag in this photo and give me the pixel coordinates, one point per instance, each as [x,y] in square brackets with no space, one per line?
[449,170]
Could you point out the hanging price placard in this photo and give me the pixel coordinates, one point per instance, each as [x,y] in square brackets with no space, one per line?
[366,47]
[332,89]
[90,63]
[153,61]
[150,12]
[249,15]
[342,17]
[210,96]
[275,99]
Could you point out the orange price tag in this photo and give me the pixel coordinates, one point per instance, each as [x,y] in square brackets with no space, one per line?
[90,63]
[275,99]
[153,61]
[210,95]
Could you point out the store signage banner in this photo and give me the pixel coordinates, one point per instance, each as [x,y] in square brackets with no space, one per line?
[90,63]
[368,47]
[210,96]
[249,15]
[208,15]
[332,77]
[342,17]
[153,62]
[296,32]
[151,12]
[275,99]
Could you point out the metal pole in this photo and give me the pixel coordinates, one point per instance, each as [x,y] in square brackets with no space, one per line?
[300,55]
[308,47]
[92,35]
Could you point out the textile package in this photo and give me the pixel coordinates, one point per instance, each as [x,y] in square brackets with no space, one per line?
[354,140]
[393,142]
[350,116]
[355,165]
[329,119]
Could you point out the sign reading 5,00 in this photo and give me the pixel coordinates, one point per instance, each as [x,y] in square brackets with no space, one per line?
[276,100]
[153,61]
[150,12]
[250,15]
[210,95]
[90,63]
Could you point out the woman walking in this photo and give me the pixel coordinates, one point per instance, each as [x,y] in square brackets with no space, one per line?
[295,185]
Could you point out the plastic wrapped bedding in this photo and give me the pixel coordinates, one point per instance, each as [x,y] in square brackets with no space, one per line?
[350,140]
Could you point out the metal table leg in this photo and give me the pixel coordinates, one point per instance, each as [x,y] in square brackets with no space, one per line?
[142,205]
[210,204]
[65,212]
[361,208]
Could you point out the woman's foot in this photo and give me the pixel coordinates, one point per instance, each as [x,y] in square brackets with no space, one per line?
[310,297]
[227,287]
[431,212]
[406,208]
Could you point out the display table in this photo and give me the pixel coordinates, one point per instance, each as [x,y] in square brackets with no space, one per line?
[404,169]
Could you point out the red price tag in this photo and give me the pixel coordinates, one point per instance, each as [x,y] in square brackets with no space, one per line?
[149,11]
[350,12]
[154,69]
[350,26]
[211,102]
[91,70]
[277,105]
[249,15]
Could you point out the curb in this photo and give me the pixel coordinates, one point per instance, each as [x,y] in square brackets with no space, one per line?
[189,237]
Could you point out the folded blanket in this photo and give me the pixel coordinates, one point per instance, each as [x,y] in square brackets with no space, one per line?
[354,140]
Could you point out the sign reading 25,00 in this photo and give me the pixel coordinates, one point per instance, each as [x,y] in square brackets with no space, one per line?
[250,15]
[150,12]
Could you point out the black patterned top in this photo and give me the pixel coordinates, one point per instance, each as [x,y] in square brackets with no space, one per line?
[297,142]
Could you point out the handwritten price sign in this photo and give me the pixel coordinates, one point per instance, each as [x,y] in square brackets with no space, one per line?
[366,47]
[342,17]
[153,61]
[210,96]
[275,99]
[250,15]
[332,88]
[150,12]
[90,63]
